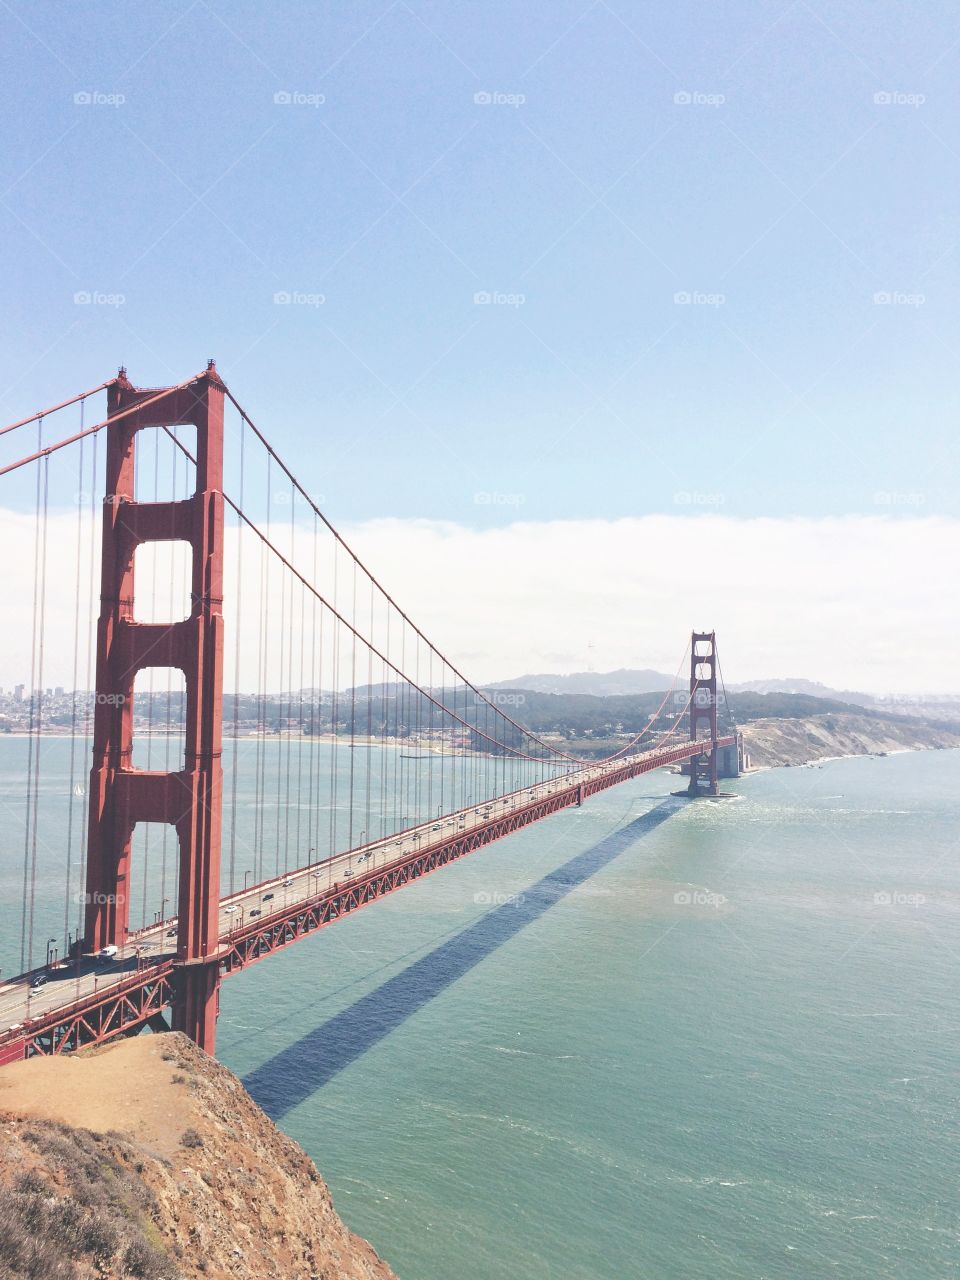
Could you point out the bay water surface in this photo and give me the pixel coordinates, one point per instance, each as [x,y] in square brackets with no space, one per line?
[645,1038]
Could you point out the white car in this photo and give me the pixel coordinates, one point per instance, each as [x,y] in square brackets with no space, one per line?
[229,911]
[107,953]
[289,882]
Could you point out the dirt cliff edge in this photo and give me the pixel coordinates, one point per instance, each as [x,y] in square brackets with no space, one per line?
[147,1158]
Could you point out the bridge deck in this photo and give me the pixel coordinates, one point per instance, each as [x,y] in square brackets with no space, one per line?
[91,1002]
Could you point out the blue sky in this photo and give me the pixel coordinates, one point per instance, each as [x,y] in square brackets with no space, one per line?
[775,191]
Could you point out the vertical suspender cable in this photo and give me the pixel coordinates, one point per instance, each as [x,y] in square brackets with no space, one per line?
[91,631]
[353,701]
[38,726]
[73,701]
[234,764]
[24,910]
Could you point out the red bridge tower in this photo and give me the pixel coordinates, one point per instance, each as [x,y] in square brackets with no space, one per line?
[190,798]
[703,712]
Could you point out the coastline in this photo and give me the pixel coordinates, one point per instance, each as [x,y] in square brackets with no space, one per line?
[776,742]
[781,743]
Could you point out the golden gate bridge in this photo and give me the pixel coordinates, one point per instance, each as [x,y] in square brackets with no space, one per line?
[283,607]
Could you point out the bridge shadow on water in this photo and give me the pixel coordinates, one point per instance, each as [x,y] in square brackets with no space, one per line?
[292,1075]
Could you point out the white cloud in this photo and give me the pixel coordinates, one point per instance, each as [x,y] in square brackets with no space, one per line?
[858,602]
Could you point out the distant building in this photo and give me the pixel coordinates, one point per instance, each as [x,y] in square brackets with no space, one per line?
[18,693]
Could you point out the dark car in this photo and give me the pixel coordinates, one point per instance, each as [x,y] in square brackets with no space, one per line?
[39,981]
[266,897]
[256,912]
[171,933]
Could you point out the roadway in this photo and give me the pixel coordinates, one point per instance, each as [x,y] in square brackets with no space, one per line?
[69,983]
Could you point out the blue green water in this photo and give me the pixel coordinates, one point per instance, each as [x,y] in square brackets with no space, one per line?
[643,1039]
[286,803]
[601,1081]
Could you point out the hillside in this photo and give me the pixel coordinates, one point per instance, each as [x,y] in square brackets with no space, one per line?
[600,684]
[781,741]
[628,681]
[147,1158]
[779,727]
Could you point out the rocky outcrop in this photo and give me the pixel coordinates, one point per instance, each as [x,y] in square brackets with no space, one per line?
[147,1158]
[782,741]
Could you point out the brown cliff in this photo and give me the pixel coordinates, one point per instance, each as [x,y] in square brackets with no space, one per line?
[777,741]
[147,1158]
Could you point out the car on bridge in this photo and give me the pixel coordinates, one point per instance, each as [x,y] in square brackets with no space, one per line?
[108,953]
[40,980]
